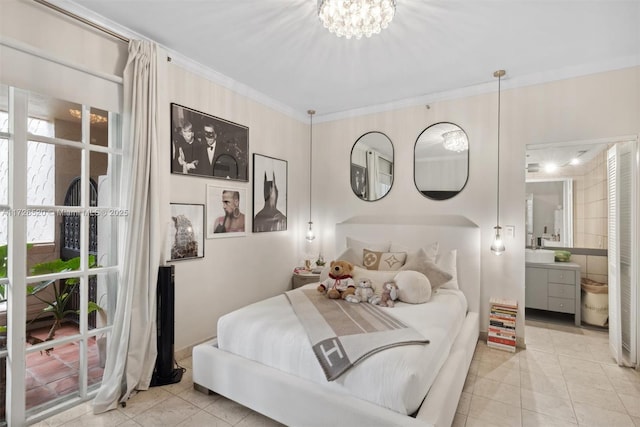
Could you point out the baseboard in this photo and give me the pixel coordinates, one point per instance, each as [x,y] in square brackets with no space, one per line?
[185,352]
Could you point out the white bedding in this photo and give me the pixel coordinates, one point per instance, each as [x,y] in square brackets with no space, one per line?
[269,332]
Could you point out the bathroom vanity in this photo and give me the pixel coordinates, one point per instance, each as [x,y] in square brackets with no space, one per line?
[553,286]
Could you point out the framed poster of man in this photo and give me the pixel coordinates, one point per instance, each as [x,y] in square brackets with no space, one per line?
[269,194]
[204,145]
[226,207]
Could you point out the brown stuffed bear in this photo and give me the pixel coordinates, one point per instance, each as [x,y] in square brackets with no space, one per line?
[339,284]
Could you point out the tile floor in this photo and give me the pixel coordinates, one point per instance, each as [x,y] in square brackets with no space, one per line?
[565,377]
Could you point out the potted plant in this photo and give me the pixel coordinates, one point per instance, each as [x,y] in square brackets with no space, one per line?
[55,303]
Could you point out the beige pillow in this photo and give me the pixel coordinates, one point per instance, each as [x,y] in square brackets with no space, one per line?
[413,287]
[448,263]
[436,275]
[377,277]
[373,260]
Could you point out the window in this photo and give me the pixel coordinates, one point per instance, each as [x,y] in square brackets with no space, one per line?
[68,158]
[40,179]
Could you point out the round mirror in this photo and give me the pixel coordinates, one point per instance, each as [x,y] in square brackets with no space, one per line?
[372,166]
[441,161]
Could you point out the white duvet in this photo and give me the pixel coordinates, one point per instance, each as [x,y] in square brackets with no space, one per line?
[397,378]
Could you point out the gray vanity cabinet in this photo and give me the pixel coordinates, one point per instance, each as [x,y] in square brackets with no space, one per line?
[553,287]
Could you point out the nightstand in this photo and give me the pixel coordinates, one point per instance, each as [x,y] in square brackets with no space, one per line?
[300,279]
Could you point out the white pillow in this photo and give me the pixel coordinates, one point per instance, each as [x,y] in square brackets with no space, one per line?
[377,277]
[359,246]
[431,251]
[413,287]
[448,263]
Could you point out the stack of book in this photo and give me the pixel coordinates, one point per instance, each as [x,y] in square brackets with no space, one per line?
[502,324]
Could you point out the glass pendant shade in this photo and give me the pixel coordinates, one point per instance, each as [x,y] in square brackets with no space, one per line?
[497,247]
[310,236]
[356,18]
[455,140]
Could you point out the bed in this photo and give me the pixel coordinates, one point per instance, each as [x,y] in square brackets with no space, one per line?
[284,386]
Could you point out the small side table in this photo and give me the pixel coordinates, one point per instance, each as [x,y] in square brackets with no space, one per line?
[300,279]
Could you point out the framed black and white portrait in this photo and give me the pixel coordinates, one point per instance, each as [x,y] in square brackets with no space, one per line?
[204,145]
[186,234]
[226,211]
[359,180]
[269,194]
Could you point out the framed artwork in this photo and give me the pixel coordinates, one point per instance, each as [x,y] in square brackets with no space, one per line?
[269,194]
[204,145]
[186,234]
[226,209]
[359,180]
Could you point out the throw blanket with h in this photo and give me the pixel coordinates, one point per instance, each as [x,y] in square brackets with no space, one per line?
[342,333]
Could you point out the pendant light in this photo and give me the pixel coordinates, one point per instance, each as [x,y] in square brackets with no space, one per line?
[497,247]
[310,235]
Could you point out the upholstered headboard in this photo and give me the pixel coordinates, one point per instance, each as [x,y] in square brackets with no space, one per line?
[450,231]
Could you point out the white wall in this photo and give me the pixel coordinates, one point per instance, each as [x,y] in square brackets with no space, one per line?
[237,271]
[596,106]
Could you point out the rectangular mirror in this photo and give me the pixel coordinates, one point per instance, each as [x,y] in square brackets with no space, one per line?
[566,195]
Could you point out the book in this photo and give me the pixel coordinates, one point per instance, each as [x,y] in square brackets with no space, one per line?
[501,333]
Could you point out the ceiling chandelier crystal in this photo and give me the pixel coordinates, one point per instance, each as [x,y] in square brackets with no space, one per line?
[455,140]
[356,18]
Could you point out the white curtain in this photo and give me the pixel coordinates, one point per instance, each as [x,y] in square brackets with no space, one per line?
[132,349]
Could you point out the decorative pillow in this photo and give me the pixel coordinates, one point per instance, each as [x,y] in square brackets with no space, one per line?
[431,251]
[413,287]
[359,246]
[377,277]
[348,255]
[448,263]
[436,275]
[373,260]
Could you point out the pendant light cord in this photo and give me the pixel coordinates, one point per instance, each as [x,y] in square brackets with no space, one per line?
[311,113]
[498,201]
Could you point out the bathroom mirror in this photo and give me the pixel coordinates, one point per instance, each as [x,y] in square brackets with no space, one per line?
[372,166]
[441,161]
[566,194]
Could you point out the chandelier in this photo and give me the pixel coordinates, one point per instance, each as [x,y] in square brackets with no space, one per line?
[455,140]
[356,18]
[93,118]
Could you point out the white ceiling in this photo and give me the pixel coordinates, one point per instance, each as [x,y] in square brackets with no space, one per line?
[277,50]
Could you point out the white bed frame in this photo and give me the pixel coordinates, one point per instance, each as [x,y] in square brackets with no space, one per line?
[295,401]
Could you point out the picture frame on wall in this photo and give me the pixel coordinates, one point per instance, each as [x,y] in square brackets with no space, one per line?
[208,146]
[359,180]
[186,234]
[270,194]
[226,211]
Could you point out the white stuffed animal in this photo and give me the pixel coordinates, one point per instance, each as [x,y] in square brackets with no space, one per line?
[364,292]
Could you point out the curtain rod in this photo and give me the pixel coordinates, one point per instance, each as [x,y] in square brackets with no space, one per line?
[83,20]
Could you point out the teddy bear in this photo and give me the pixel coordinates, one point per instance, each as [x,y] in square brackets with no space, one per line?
[364,292]
[388,296]
[339,284]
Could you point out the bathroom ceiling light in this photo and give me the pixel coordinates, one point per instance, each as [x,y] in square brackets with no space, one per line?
[497,247]
[310,236]
[356,18]
[455,140]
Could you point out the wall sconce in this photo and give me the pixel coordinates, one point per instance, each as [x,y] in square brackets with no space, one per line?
[497,247]
[310,236]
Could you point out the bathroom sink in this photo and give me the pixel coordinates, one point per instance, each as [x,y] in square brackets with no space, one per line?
[539,255]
